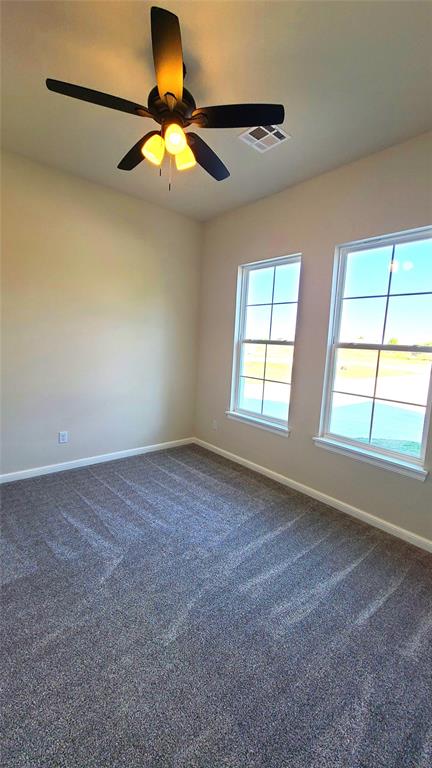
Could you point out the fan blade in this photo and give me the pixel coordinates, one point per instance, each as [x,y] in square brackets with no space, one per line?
[206,158]
[134,157]
[97,97]
[239,115]
[167,53]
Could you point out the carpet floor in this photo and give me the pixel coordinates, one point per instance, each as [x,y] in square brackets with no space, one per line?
[175,610]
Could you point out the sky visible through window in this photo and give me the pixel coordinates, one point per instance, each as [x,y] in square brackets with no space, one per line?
[380,397]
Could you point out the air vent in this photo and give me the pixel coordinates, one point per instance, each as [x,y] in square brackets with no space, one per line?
[264,137]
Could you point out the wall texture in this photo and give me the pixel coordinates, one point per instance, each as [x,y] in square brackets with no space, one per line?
[99,318]
[386,192]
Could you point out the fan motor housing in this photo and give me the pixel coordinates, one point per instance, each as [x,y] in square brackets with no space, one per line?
[181,113]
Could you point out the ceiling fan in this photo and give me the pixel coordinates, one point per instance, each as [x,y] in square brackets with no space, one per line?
[174,108]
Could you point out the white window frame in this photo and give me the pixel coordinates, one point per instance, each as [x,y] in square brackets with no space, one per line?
[385,458]
[270,423]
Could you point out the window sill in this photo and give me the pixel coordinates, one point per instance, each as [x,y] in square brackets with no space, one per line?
[394,465]
[257,422]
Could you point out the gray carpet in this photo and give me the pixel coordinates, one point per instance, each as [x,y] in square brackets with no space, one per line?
[176,610]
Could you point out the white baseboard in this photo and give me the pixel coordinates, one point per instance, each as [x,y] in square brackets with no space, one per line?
[366,517]
[23,474]
[377,522]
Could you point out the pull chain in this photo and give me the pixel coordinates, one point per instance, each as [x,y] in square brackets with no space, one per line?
[170,174]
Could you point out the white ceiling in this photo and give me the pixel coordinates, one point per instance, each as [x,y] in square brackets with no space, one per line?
[354,78]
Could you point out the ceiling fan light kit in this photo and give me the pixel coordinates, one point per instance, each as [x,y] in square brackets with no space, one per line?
[175,138]
[153,149]
[185,159]
[174,108]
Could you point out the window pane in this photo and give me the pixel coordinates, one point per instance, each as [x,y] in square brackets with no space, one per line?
[355,371]
[287,282]
[398,427]
[279,363]
[276,399]
[404,376]
[409,320]
[351,417]
[268,314]
[284,322]
[257,322]
[367,272]
[412,267]
[362,320]
[252,360]
[250,395]
[260,288]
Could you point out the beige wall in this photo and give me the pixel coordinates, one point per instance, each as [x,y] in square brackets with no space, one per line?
[383,193]
[99,318]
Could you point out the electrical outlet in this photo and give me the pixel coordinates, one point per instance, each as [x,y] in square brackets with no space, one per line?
[63,437]
[215,424]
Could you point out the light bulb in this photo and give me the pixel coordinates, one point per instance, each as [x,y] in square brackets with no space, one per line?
[175,139]
[154,149]
[185,159]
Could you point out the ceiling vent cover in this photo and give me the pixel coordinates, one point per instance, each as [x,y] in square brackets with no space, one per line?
[264,137]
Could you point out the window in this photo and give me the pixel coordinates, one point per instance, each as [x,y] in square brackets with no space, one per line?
[264,341]
[378,390]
